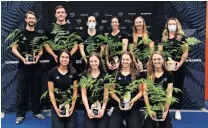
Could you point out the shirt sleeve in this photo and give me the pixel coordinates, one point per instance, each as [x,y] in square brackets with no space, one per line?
[124,35]
[50,76]
[170,77]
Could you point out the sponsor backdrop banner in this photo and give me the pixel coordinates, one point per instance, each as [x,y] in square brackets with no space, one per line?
[192,15]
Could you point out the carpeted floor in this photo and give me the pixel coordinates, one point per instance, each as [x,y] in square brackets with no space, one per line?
[190,119]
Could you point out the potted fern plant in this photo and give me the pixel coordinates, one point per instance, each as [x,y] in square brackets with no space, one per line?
[94,86]
[63,39]
[141,55]
[35,44]
[188,43]
[65,98]
[158,98]
[126,92]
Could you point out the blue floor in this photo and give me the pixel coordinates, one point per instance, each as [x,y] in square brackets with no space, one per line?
[189,120]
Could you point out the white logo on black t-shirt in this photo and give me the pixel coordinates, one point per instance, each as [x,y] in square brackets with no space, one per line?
[119,78]
[57,77]
[164,80]
[24,38]
[70,76]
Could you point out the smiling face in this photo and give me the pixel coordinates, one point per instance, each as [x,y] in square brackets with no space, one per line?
[61,14]
[94,62]
[139,23]
[126,61]
[114,23]
[30,20]
[157,60]
[64,59]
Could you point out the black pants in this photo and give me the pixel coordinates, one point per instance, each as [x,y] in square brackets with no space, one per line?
[133,118]
[63,122]
[179,77]
[95,122]
[28,83]
[149,123]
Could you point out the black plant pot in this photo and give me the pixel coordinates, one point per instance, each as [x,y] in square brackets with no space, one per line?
[95,111]
[63,110]
[159,115]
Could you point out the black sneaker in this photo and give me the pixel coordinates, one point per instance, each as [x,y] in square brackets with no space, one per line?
[19,120]
[39,116]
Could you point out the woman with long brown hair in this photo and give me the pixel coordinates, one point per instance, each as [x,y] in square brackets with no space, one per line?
[124,76]
[174,36]
[140,33]
[157,73]
[63,77]
[95,71]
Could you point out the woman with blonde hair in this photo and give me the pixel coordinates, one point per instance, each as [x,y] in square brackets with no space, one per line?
[157,72]
[178,49]
[140,34]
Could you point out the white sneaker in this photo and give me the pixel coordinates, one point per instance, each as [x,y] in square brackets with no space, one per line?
[178,115]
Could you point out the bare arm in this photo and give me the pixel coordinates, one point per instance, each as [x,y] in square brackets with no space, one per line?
[114,96]
[105,98]
[169,96]
[151,46]
[185,54]
[145,95]
[125,45]
[39,55]
[131,49]
[16,52]
[74,49]
[85,99]
[139,94]
[75,93]
[51,94]
[82,52]
[50,51]
[102,50]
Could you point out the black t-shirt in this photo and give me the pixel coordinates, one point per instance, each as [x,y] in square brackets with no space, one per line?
[100,92]
[62,82]
[124,81]
[118,38]
[26,38]
[174,44]
[166,78]
[49,31]
[141,48]
[95,42]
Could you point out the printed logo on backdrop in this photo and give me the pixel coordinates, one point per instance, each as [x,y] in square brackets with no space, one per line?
[72,14]
[146,13]
[79,28]
[68,21]
[100,28]
[84,14]
[128,21]
[120,14]
[104,21]
[107,14]
[78,21]
[96,14]
[131,14]
[123,28]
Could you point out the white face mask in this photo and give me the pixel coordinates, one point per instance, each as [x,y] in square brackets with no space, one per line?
[172,28]
[91,25]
